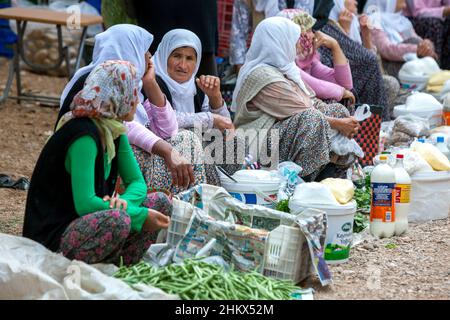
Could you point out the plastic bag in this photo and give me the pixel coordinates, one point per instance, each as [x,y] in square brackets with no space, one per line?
[412,162]
[290,173]
[412,125]
[313,193]
[343,146]
[29,271]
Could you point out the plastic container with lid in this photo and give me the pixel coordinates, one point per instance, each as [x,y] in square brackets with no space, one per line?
[253,186]
[402,196]
[382,210]
[442,146]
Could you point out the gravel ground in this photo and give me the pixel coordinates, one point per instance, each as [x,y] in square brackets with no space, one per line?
[414,266]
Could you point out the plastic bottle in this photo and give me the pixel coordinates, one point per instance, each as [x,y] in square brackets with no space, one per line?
[402,196]
[382,210]
[442,146]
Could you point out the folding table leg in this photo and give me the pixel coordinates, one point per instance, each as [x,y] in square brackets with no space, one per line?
[8,82]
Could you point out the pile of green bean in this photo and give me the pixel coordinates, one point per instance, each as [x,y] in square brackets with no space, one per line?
[197,280]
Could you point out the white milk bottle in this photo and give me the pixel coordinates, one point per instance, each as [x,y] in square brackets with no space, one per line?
[402,196]
[442,146]
[382,210]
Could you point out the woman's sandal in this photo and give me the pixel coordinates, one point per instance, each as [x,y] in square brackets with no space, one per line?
[7,182]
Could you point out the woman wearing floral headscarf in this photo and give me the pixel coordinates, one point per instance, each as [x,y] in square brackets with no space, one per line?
[71,206]
[328,83]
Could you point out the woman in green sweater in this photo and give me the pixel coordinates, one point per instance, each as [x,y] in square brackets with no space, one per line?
[71,206]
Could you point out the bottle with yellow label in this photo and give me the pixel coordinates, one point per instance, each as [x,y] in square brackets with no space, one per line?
[402,196]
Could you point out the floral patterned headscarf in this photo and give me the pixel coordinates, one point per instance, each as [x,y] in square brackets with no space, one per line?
[306,22]
[109,93]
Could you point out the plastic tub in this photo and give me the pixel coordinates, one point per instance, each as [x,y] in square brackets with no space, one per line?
[254,187]
[416,83]
[340,229]
[430,196]
[434,114]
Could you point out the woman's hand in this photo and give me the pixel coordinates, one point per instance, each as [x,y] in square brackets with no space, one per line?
[210,85]
[181,170]
[116,203]
[150,75]
[322,39]
[349,95]
[345,20]
[222,123]
[155,221]
[426,49]
[348,127]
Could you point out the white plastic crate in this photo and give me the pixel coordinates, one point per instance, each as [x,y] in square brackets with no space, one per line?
[181,216]
[287,255]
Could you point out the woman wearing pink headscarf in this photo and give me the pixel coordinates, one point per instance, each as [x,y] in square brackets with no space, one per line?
[328,83]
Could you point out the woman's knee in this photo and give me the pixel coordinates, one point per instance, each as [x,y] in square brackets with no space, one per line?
[160,202]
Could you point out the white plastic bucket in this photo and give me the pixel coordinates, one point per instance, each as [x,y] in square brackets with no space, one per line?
[256,187]
[416,83]
[433,114]
[430,196]
[340,229]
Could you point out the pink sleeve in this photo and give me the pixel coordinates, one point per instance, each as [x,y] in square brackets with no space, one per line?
[323,89]
[162,121]
[424,8]
[388,50]
[341,74]
[141,137]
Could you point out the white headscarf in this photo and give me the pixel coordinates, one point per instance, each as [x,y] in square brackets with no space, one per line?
[339,6]
[273,44]
[124,42]
[182,93]
[306,5]
[269,7]
[383,16]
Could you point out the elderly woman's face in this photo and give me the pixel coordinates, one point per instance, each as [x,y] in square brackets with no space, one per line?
[181,64]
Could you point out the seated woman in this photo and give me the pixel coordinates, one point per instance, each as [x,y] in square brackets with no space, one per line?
[431,20]
[155,128]
[367,78]
[197,102]
[394,36]
[271,96]
[328,83]
[71,207]
[358,28]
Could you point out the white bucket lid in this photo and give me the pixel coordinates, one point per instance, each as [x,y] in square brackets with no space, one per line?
[252,177]
[431,176]
[341,209]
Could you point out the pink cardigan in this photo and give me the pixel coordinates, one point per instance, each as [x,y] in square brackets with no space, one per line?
[427,8]
[162,125]
[326,82]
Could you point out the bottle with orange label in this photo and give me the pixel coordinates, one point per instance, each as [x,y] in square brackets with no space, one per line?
[402,196]
[382,210]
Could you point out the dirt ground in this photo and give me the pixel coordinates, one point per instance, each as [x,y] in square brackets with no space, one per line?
[414,266]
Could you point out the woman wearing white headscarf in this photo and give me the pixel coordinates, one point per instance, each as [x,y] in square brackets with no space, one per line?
[271,98]
[393,34]
[198,102]
[155,119]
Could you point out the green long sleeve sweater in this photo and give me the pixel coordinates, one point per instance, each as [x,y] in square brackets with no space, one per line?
[80,164]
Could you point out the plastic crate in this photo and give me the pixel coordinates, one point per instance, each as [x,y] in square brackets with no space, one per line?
[181,216]
[287,255]
[225,17]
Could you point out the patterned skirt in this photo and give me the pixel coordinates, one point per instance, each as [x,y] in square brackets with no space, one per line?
[153,167]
